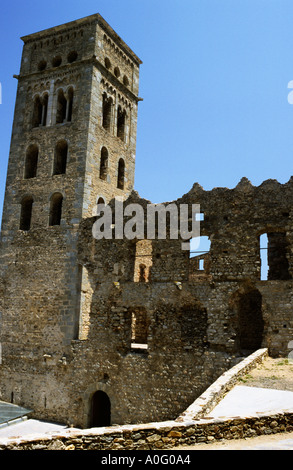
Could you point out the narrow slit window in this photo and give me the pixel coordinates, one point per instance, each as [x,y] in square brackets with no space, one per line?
[121,174]
[44,109]
[121,118]
[26,213]
[107,110]
[69,104]
[55,209]
[104,163]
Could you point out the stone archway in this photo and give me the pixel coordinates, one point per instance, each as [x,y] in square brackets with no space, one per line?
[100,409]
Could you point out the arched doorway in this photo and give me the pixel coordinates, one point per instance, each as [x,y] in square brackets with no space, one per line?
[100,410]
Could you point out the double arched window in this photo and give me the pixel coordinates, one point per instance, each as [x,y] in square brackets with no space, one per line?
[64,105]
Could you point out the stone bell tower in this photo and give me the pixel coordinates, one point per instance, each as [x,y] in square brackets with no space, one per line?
[73,145]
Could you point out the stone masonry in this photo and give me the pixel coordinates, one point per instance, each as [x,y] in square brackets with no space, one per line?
[119,331]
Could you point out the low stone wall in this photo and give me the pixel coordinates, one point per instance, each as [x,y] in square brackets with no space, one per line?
[155,436]
[188,429]
[213,395]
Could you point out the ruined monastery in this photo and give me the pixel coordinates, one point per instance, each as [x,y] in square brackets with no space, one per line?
[101,332]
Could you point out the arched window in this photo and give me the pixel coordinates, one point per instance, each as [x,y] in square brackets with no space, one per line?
[37,112]
[104,163]
[55,209]
[31,161]
[121,118]
[100,204]
[40,111]
[60,158]
[121,174]
[107,109]
[107,63]
[61,107]
[26,213]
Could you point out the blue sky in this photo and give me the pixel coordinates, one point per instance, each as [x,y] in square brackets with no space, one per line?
[214,81]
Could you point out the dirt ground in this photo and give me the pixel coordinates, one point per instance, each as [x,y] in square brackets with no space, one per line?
[271,373]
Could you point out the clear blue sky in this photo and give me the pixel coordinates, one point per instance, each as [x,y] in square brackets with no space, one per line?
[214,82]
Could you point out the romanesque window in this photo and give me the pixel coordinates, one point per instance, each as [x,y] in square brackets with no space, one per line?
[121,174]
[60,157]
[117,72]
[57,61]
[273,253]
[26,213]
[107,111]
[64,106]
[31,161]
[121,118]
[55,209]
[104,163]
[40,111]
[107,63]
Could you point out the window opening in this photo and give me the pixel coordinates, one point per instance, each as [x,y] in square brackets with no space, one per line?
[61,107]
[107,109]
[273,255]
[121,117]
[139,328]
[69,104]
[143,260]
[26,213]
[199,256]
[60,160]
[104,163]
[121,174]
[72,57]
[37,112]
[31,162]
[55,209]
[56,62]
